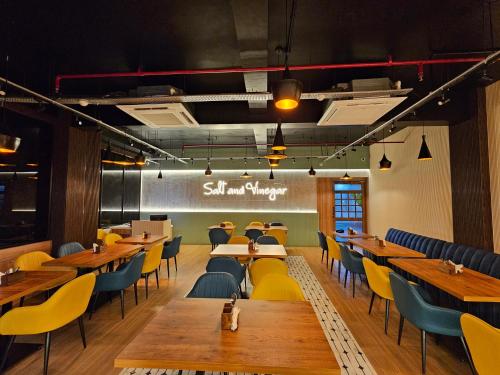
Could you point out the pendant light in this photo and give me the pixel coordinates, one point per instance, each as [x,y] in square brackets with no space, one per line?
[312,172]
[279,142]
[276,155]
[107,155]
[271,175]
[160,175]
[287,91]
[384,163]
[274,163]
[8,142]
[346,177]
[424,153]
[208,171]
[140,159]
[245,175]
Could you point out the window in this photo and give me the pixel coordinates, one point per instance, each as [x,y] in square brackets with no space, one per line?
[349,206]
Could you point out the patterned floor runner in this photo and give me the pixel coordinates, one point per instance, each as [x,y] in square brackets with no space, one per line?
[349,355]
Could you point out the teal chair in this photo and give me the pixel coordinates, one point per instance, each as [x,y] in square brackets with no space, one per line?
[125,275]
[353,263]
[170,251]
[229,265]
[215,285]
[428,318]
[267,240]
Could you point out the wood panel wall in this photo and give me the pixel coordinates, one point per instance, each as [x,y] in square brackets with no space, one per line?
[470,181]
[324,188]
[8,256]
[493,124]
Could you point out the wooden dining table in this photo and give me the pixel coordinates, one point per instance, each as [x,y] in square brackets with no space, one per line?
[139,240]
[89,259]
[273,337]
[470,286]
[390,250]
[241,251]
[352,235]
[264,229]
[227,227]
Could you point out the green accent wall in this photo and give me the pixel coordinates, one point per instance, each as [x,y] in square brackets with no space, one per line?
[192,226]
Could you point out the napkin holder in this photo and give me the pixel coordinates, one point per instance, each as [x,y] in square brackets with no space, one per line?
[226,318]
[451,268]
[267,226]
[381,243]
[96,248]
[145,235]
[350,231]
[12,278]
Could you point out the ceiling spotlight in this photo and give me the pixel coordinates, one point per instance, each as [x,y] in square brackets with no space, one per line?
[208,171]
[279,142]
[286,92]
[444,100]
[392,129]
[353,149]
[294,161]
[271,175]
[424,153]
[485,79]
[384,163]
[140,159]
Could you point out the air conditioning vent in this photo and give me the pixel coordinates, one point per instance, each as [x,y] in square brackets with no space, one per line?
[363,111]
[161,116]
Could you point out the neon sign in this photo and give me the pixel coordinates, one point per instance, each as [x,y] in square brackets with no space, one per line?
[223,188]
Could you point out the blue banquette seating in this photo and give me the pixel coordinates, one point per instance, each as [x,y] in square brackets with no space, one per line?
[479,260]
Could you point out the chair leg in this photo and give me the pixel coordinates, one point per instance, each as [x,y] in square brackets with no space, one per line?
[92,309]
[122,300]
[400,331]
[339,270]
[371,303]
[469,358]
[331,265]
[46,354]
[5,354]
[21,302]
[353,279]
[168,268]
[135,294]
[175,261]
[423,347]
[345,278]
[82,331]
[110,297]
[147,283]
[387,309]
[157,279]
[327,261]
[322,255]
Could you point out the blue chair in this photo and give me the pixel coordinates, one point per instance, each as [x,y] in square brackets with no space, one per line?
[276,224]
[253,234]
[170,251]
[426,317]
[353,263]
[215,285]
[125,275]
[229,265]
[69,248]
[218,236]
[324,246]
[267,240]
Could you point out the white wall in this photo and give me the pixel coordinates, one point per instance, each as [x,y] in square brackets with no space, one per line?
[414,195]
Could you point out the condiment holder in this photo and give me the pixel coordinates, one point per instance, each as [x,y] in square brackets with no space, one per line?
[229,316]
[451,268]
[11,277]
[222,225]
[266,225]
[145,235]
[381,243]
[96,248]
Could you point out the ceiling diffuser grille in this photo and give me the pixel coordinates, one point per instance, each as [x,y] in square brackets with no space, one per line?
[161,116]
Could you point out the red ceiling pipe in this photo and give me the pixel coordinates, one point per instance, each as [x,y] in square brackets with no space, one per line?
[389,63]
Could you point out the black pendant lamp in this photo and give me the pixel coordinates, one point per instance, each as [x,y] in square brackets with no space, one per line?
[384,163]
[271,175]
[160,175]
[245,175]
[208,171]
[279,142]
[346,177]
[312,172]
[140,159]
[424,153]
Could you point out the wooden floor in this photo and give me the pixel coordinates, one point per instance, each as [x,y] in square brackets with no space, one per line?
[107,334]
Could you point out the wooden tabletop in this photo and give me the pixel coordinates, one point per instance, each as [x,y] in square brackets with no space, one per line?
[273,337]
[138,240]
[264,229]
[470,286]
[390,250]
[227,227]
[87,259]
[357,235]
[263,251]
[34,281]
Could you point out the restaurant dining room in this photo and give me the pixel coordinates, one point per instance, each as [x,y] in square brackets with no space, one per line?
[229,187]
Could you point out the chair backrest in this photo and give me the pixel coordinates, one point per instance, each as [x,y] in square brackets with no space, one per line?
[256,224]
[111,238]
[267,240]
[280,235]
[333,248]
[378,278]
[227,264]
[218,236]
[215,285]
[153,258]
[172,249]
[322,240]
[351,261]
[32,261]
[265,266]
[238,240]
[69,248]
[101,233]
[229,223]
[276,224]
[276,287]
[484,344]
[67,304]
[253,234]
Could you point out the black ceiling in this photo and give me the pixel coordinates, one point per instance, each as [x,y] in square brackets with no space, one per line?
[44,39]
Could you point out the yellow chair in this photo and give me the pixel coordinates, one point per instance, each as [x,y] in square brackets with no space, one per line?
[483,341]
[256,224]
[276,287]
[229,223]
[265,266]
[101,233]
[152,264]
[238,240]
[111,238]
[66,304]
[279,234]
[334,253]
[378,280]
